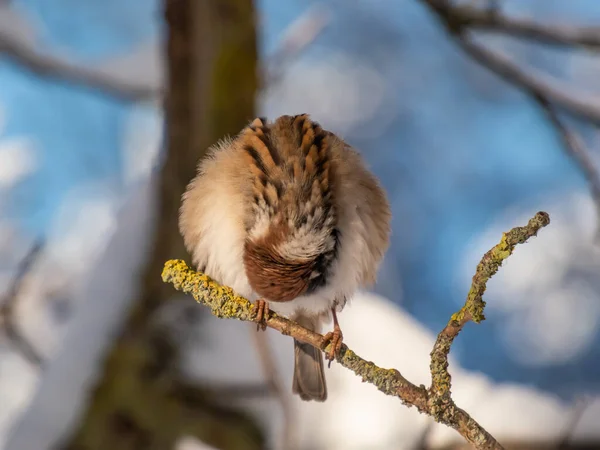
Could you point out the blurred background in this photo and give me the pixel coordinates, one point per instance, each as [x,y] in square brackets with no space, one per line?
[474,114]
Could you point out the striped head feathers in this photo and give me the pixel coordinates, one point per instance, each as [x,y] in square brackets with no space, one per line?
[292,234]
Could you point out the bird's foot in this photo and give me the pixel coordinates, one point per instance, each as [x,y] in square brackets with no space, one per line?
[334,338]
[262,314]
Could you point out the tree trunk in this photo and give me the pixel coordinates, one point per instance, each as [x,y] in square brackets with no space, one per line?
[212,81]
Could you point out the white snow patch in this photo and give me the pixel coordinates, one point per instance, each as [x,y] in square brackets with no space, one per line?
[83,225]
[337,89]
[142,142]
[356,415]
[17,157]
[103,299]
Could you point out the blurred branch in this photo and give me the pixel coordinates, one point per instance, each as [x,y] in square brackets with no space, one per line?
[457,20]
[298,36]
[60,69]
[276,386]
[435,401]
[575,148]
[237,391]
[462,16]
[531,83]
[210,87]
[7,308]
[422,442]
[581,404]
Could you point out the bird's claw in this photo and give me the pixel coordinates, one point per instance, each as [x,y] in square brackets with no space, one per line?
[334,338]
[262,314]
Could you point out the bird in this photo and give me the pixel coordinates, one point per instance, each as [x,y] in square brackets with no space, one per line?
[288,215]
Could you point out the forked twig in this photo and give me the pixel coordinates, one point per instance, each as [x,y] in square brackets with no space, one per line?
[7,308]
[435,401]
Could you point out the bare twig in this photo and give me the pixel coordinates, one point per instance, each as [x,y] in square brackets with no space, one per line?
[230,391]
[276,385]
[297,38]
[299,35]
[581,404]
[435,401]
[422,442]
[474,306]
[60,69]
[468,16]
[456,21]
[532,84]
[11,329]
[510,71]
[575,148]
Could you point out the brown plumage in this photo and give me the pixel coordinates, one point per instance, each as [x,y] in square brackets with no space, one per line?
[290,168]
[288,213]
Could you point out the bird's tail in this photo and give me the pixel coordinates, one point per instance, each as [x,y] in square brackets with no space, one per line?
[309,376]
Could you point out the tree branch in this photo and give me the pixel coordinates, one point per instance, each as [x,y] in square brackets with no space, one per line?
[236,391]
[276,386]
[575,148]
[474,306]
[578,105]
[7,308]
[296,39]
[62,70]
[580,406]
[465,15]
[532,84]
[456,20]
[435,401]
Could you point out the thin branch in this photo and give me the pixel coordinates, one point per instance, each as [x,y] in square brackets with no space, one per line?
[543,92]
[62,70]
[297,38]
[575,148]
[507,69]
[237,391]
[532,84]
[422,442]
[580,406]
[465,15]
[435,401]
[11,329]
[474,306]
[276,385]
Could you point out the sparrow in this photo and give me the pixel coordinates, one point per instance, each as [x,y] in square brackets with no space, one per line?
[288,215]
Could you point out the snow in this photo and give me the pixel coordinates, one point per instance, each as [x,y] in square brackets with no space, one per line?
[356,415]
[100,241]
[348,92]
[82,226]
[102,302]
[17,157]
[141,142]
[191,443]
[17,381]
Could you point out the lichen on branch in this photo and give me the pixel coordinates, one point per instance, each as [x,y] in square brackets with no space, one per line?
[440,397]
[435,401]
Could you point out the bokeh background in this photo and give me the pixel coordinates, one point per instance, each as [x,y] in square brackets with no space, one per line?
[105,108]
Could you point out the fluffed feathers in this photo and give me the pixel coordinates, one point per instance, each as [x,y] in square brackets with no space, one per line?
[288,212]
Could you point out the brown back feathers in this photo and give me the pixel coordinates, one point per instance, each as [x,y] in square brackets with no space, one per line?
[292,234]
